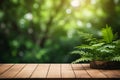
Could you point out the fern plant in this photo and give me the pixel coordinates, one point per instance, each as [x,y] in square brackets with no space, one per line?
[107,34]
[116,51]
[103,50]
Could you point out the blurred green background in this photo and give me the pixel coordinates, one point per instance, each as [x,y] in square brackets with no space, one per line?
[46,31]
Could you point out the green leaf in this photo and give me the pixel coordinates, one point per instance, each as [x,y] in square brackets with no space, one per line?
[116,58]
[84,47]
[83,59]
[79,52]
[107,34]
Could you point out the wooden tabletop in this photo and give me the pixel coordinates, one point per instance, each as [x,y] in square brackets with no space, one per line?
[44,71]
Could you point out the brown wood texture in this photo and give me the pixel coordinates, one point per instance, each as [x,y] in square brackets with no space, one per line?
[27,71]
[94,73]
[9,71]
[80,72]
[41,71]
[5,67]
[67,71]
[12,71]
[54,71]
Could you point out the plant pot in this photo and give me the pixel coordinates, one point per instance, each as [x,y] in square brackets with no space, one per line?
[104,65]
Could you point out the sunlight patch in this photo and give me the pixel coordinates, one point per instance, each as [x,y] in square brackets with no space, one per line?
[87,13]
[70,33]
[116,1]
[93,1]
[99,33]
[75,3]
[88,25]
[28,16]
[35,5]
[79,23]
[68,11]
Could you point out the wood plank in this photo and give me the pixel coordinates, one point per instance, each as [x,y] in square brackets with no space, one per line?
[8,71]
[12,71]
[41,71]
[111,73]
[80,72]
[54,71]
[26,72]
[66,71]
[5,67]
[92,72]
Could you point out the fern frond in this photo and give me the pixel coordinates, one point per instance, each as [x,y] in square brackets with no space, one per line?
[85,47]
[83,59]
[79,52]
[117,42]
[106,51]
[107,34]
[98,45]
[116,58]
[109,46]
[76,52]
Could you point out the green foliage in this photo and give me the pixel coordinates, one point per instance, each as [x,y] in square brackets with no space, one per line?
[107,34]
[83,59]
[104,50]
[116,58]
[47,30]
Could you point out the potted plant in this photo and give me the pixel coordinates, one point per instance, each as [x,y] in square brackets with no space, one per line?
[102,53]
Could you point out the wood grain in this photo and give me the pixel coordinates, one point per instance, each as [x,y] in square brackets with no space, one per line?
[66,71]
[54,71]
[38,71]
[111,73]
[12,71]
[26,71]
[41,71]
[94,73]
[80,72]
[5,67]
